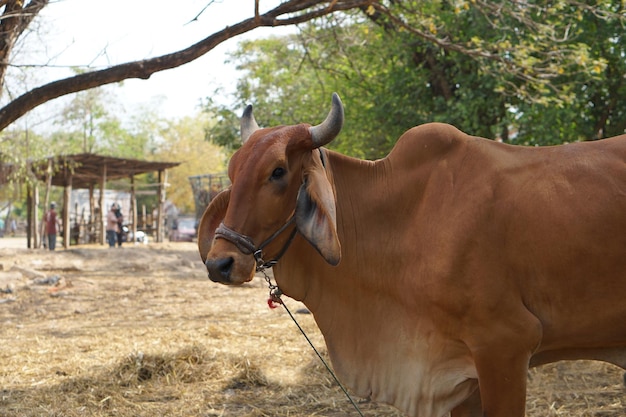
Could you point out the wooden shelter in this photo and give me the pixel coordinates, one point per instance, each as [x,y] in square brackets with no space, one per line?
[91,171]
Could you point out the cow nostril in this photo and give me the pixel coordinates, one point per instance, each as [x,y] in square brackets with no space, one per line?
[219,269]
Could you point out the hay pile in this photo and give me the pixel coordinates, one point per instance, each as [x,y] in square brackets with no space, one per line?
[141,332]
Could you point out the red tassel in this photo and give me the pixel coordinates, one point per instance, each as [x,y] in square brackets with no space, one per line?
[272,303]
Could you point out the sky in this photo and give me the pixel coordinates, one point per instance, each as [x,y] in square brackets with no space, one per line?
[102,33]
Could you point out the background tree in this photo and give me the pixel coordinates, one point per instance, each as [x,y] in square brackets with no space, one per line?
[17,16]
[82,118]
[399,83]
[21,14]
[521,72]
[183,140]
[594,105]
[529,52]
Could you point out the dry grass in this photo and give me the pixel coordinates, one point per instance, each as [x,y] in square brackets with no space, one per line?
[141,332]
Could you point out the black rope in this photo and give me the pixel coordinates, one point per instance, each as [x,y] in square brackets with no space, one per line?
[356,407]
[275,294]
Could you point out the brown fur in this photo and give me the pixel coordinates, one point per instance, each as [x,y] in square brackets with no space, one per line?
[463,261]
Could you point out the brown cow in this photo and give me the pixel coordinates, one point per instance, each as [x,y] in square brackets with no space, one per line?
[439,274]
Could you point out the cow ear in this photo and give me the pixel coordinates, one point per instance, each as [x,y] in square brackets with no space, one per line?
[212,217]
[316,215]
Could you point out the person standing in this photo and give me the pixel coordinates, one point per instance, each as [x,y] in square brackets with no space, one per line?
[13,227]
[111,226]
[120,225]
[50,218]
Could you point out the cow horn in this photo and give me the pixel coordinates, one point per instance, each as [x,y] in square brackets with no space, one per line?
[331,126]
[248,124]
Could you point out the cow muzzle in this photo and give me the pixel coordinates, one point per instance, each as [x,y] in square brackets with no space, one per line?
[229,267]
[220,269]
[226,269]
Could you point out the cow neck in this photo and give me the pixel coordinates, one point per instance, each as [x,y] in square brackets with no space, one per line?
[302,272]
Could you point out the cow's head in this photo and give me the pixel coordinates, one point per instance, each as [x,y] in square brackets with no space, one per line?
[277,175]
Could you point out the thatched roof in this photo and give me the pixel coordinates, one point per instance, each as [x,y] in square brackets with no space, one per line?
[87,169]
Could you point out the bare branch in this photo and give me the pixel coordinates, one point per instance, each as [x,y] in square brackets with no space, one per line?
[15,19]
[195,19]
[145,68]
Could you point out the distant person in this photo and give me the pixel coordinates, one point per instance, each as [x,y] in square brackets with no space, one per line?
[51,221]
[13,227]
[111,228]
[120,224]
[1,227]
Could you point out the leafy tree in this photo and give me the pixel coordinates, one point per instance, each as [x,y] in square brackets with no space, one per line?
[531,73]
[531,52]
[399,84]
[16,16]
[183,141]
[140,139]
[554,63]
[89,124]
[594,105]
[82,120]
[20,144]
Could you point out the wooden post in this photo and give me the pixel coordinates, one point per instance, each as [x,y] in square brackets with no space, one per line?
[160,201]
[133,207]
[91,228]
[46,201]
[67,192]
[36,214]
[29,216]
[103,209]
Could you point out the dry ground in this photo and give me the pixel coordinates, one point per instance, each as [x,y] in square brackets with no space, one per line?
[140,331]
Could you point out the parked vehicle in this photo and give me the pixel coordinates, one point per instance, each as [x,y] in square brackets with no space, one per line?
[183,230]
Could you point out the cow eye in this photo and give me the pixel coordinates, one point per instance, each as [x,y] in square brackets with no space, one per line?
[278,173]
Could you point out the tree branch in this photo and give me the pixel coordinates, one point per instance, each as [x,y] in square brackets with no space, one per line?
[15,18]
[145,68]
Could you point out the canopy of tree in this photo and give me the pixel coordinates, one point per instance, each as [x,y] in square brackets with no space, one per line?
[529,72]
[522,72]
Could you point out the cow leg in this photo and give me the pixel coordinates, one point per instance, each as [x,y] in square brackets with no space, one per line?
[471,407]
[502,382]
[501,354]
